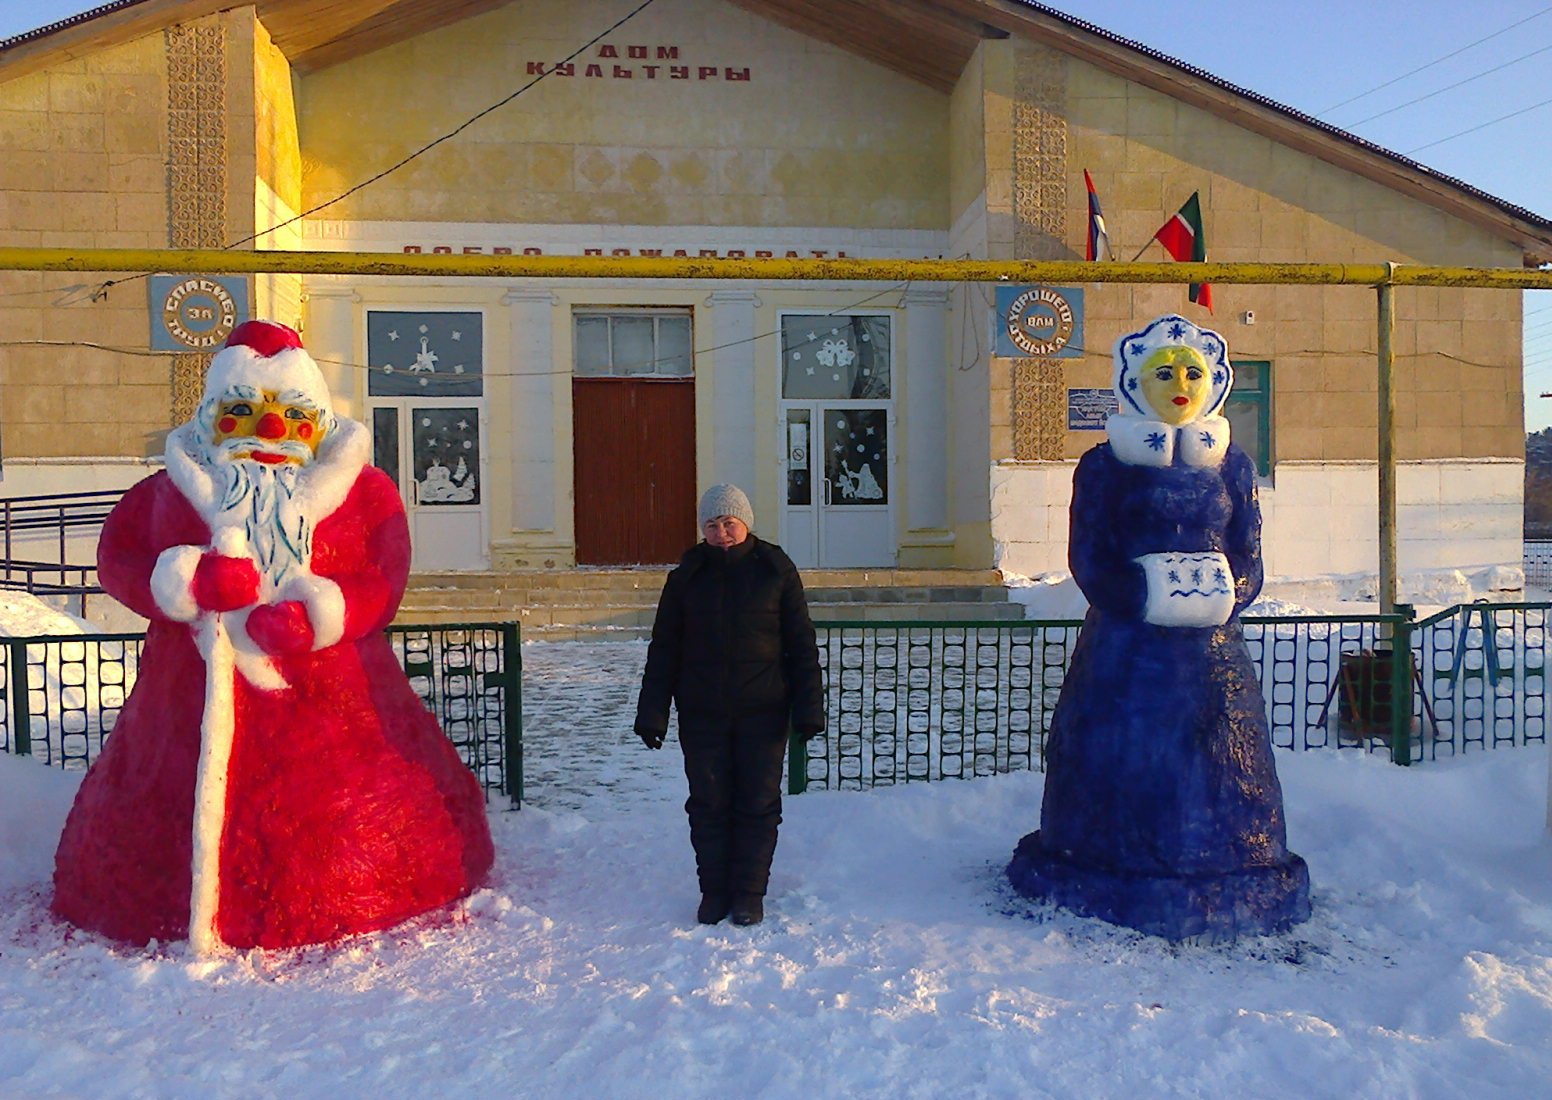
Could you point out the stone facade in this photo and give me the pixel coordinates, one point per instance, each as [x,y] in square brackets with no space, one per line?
[709,127]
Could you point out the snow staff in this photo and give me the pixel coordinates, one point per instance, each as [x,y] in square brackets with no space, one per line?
[273,779]
[1162,807]
[733,648]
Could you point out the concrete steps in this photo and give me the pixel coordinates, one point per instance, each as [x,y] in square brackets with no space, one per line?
[617,604]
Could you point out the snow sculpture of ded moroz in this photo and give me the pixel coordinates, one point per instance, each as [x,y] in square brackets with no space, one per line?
[1162,807]
[272,780]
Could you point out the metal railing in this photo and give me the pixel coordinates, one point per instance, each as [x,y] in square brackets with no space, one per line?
[42,523]
[1538,562]
[62,694]
[914,701]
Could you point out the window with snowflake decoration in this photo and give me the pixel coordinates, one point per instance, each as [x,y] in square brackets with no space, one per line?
[424,354]
[835,358]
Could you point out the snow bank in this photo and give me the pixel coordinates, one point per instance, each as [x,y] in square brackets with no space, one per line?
[894,962]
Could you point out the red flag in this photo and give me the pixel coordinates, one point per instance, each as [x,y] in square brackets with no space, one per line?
[1182,238]
[1099,241]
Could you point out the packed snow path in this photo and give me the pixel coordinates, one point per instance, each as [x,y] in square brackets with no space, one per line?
[893,961]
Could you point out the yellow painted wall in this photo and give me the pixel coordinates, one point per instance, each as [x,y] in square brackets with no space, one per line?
[82,165]
[1459,351]
[277,192]
[815,137]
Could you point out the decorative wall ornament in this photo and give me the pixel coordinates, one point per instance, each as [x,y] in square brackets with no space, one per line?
[1038,392]
[1039,395]
[196,169]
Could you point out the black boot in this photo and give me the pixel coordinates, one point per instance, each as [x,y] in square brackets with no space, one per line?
[713,908]
[748,909]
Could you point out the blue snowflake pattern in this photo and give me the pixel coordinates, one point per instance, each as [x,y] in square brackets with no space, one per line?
[1174,576]
[1156,440]
[1137,349]
[1207,439]
[1220,576]
[1131,383]
[1196,577]
[1176,331]
[1211,348]
[1217,378]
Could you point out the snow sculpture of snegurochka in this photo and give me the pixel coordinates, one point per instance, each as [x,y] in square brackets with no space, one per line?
[1162,808]
[272,780]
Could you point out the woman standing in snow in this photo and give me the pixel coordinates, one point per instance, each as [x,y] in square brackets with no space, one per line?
[1162,807]
[733,648]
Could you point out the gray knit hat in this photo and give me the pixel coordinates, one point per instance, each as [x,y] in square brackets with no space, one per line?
[726,500]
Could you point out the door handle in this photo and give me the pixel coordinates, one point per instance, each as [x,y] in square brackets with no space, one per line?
[827,490]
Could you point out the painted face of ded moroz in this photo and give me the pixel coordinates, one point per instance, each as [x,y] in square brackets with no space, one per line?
[280,432]
[1176,383]
[725,532]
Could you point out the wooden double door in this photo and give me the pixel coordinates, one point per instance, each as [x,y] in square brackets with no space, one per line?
[634,469]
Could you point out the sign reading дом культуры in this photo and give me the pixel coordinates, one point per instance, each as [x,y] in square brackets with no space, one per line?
[196,312]
[1039,322]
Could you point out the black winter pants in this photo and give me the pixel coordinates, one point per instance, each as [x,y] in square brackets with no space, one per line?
[734,769]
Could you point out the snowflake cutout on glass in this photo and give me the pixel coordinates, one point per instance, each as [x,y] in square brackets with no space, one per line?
[1156,440]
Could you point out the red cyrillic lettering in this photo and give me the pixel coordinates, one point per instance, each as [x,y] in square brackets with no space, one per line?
[608,51]
[501,250]
[736,74]
[619,252]
[651,71]
[705,72]
[762,254]
[622,73]
[636,51]
[413,249]
[566,68]
[536,68]
[592,252]
[651,251]
[679,72]
[533,252]
[668,53]
[442,250]
[472,249]
[735,253]
[594,70]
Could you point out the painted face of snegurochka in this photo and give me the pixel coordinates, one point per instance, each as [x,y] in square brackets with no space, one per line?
[1176,382]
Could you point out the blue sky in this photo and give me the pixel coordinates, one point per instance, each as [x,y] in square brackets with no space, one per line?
[1350,63]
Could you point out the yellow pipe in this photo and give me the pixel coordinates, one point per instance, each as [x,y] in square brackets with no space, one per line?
[482,265]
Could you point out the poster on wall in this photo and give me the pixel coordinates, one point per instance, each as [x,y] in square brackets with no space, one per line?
[1044,322]
[196,312]
[1088,409]
[424,354]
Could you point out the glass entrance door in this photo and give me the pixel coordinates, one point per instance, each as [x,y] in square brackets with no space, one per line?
[425,391]
[837,412]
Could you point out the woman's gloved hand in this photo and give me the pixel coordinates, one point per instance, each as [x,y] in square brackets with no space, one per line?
[653,739]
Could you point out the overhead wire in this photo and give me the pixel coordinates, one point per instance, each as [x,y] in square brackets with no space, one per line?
[103,287]
[1445,57]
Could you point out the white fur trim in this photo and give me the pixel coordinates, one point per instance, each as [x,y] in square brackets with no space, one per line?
[1137,441]
[325,605]
[172,582]
[322,484]
[217,729]
[288,369]
[1188,589]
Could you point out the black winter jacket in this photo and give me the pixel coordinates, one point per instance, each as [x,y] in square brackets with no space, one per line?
[732,636]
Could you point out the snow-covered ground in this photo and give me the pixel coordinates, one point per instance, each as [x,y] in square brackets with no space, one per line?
[894,962]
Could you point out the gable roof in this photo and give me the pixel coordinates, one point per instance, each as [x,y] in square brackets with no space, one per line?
[928,40]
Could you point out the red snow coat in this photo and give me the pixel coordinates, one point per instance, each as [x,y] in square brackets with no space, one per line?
[347,810]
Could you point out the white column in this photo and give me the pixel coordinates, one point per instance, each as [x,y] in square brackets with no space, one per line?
[329,334]
[926,407]
[530,313]
[733,388]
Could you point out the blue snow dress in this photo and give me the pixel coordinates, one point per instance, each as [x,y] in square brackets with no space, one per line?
[1162,807]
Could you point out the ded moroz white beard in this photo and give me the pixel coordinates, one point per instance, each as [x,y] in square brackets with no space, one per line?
[280,533]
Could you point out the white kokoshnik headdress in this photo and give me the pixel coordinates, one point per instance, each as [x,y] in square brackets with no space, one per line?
[1136,434]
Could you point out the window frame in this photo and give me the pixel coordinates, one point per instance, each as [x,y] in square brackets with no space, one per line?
[615,313]
[1260,399]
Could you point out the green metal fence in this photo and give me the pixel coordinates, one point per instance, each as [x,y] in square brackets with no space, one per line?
[913,701]
[62,694]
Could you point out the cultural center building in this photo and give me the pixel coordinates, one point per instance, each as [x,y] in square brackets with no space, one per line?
[547,424]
